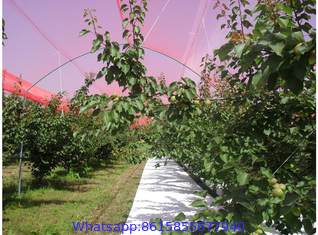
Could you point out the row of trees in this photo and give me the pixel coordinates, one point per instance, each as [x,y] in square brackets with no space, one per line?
[254,137]
[51,138]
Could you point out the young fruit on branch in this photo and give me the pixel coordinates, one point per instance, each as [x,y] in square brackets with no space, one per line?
[272,182]
[296,51]
[196,103]
[277,192]
[282,187]
[259,231]
[207,103]
[276,185]
[312,56]
[296,211]
[173,99]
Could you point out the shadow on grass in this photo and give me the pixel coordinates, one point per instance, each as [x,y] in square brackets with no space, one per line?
[58,180]
[11,200]
[11,162]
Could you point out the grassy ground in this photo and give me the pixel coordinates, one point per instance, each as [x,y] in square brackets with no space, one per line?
[105,195]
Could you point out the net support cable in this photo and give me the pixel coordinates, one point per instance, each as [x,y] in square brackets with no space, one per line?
[156,20]
[27,18]
[61,89]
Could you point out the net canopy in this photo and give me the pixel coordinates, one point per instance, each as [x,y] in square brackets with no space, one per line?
[42,35]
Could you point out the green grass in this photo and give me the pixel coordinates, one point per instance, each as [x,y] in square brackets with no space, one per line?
[105,194]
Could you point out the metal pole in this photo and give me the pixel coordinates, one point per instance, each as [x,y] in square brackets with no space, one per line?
[21,148]
[21,154]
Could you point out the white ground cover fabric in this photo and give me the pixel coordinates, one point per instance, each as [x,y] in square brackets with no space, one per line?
[163,193]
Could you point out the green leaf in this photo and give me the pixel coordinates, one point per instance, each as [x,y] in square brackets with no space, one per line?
[95,112]
[188,95]
[229,165]
[75,134]
[131,111]
[283,22]
[132,80]
[248,59]
[295,224]
[239,48]
[91,105]
[260,77]
[247,205]
[300,184]
[300,71]
[278,47]
[83,32]
[125,23]
[285,8]
[101,73]
[243,178]
[279,37]
[254,189]
[97,42]
[293,39]
[308,226]
[247,24]
[119,107]
[294,84]
[107,36]
[123,6]
[106,117]
[125,34]
[267,172]
[272,80]
[257,33]
[294,130]
[224,157]
[199,203]
[208,166]
[290,198]
[143,97]
[285,100]
[125,106]
[114,51]
[201,194]
[262,201]
[139,104]
[189,82]
[224,50]
[96,45]
[275,200]
[125,68]
[137,29]
[285,209]
[114,115]
[267,229]
[179,217]
[132,15]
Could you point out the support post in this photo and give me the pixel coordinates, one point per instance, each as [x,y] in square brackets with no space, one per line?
[20,166]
